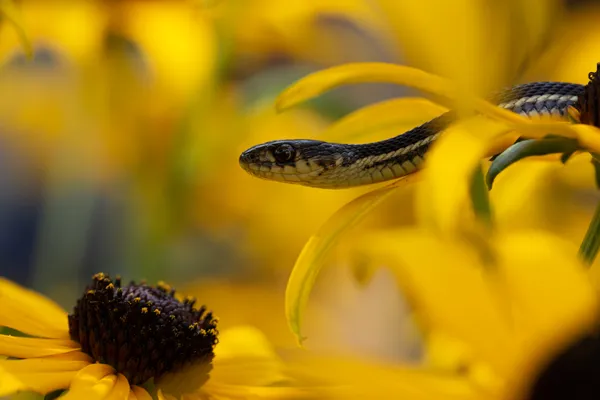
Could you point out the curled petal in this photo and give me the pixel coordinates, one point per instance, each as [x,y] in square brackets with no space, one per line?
[120,390]
[89,382]
[312,257]
[322,81]
[92,382]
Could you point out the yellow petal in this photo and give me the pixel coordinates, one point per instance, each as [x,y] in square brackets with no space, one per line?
[140,393]
[310,260]
[587,135]
[41,375]
[164,396]
[347,378]
[546,282]
[35,365]
[46,382]
[441,279]
[187,380]
[549,296]
[23,347]
[448,354]
[444,198]
[121,389]
[243,341]
[460,33]
[9,384]
[520,190]
[249,371]
[30,312]
[96,381]
[220,391]
[71,356]
[13,16]
[179,46]
[396,114]
[319,82]
[92,374]
[244,357]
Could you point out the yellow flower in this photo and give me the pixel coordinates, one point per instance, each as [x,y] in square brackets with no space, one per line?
[495,314]
[505,314]
[444,200]
[502,313]
[13,17]
[121,339]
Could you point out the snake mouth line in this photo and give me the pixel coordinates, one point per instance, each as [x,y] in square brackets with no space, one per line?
[290,177]
[255,169]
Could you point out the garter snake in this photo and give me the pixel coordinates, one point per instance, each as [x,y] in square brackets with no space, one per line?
[334,165]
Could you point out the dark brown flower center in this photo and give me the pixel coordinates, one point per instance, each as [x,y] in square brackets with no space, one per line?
[589,102]
[572,375]
[142,331]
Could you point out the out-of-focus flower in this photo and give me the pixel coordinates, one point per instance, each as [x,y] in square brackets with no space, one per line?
[502,342]
[124,342]
[444,199]
[487,312]
[484,299]
[11,15]
[267,31]
[573,50]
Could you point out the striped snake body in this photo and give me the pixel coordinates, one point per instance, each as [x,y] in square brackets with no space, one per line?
[334,165]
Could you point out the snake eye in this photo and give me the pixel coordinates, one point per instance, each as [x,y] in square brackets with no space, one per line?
[284,153]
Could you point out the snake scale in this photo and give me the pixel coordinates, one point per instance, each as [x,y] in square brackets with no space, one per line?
[334,165]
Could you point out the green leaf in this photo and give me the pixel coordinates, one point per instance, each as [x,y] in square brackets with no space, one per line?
[529,148]
[13,16]
[313,255]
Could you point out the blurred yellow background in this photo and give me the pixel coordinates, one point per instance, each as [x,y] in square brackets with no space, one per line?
[119,145]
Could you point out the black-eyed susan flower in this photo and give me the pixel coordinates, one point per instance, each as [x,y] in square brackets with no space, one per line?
[506,314]
[445,202]
[127,342]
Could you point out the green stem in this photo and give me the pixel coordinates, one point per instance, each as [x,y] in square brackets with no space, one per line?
[591,242]
[480,197]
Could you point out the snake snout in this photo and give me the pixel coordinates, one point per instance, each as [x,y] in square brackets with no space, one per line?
[248,157]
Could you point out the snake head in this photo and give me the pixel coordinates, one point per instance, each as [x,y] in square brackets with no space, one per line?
[303,162]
